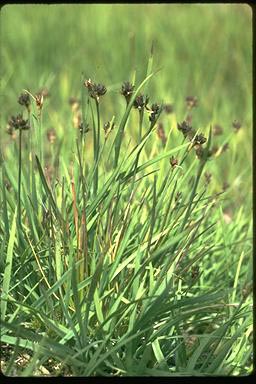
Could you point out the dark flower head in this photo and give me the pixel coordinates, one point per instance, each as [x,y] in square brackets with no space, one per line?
[185,128]
[168,108]
[83,128]
[100,89]
[127,91]
[236,125]
[95,90]
[155,108]
[200,139]
[154,112]
[191,101]
[24,99]
[17,122]
[140,102]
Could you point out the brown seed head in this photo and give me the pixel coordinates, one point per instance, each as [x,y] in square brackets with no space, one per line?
[24,99]
[184,127]
[199,139]
[83,128]
[95,90]
[140,102]
[154,112]
[17,122]
[127,91]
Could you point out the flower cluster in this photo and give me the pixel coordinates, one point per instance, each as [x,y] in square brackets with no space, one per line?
[154,112]
[127,91]
[17,122]
[197,140]
[83,127]
[95,90]
[24,100]
[185,128]
[140,102]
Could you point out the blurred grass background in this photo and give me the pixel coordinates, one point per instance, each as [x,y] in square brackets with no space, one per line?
[203,50]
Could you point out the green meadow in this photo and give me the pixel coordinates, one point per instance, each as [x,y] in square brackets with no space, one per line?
[126,190]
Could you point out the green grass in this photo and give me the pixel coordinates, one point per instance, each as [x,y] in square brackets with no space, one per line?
[115,262]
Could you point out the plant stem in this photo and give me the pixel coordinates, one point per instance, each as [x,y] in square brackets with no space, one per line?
[19,180]
[96,154]
[40,138]
[141,113]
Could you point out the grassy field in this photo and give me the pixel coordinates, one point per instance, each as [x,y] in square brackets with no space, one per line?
[125,199]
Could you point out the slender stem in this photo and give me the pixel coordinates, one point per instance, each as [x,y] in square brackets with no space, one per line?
[141,113]
[19,180]
[40,138]
[97,148]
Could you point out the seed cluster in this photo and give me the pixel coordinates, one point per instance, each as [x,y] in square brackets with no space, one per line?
[185,128]
[17,122]
[141,102]
[154,112]
[197,140]
[127,91]
[24,100]
[95,90]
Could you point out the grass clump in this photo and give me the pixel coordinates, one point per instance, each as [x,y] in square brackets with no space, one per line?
[112,267]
